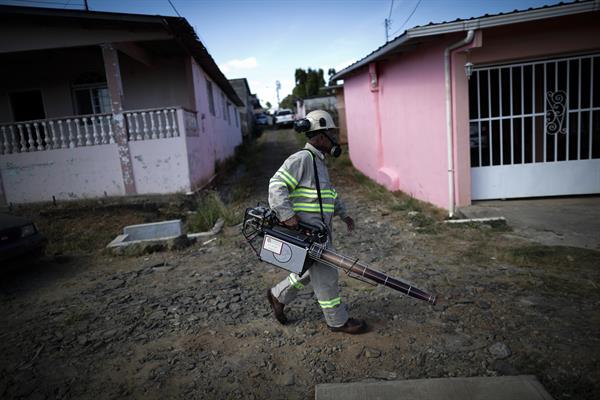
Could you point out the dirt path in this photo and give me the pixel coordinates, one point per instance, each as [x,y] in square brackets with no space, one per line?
[195,323]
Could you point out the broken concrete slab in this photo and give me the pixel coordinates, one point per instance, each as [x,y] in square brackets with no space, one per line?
[157,236]
[154,230]
[520,387]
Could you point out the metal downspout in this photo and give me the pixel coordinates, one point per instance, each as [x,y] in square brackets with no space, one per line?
[449,134]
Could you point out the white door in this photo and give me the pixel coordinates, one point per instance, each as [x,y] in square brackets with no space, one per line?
[535,128]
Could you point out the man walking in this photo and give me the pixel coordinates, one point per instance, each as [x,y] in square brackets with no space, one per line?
[301,191]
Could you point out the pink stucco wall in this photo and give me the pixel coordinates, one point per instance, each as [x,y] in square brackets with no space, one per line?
[362,131]
[217,137]
[412,118]
[397,134]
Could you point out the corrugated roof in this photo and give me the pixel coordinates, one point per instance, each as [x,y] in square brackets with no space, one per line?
[481,22]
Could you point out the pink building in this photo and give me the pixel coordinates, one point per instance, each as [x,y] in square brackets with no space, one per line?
[500,106]
[99,104]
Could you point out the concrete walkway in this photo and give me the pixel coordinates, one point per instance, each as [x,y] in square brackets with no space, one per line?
[573,221]
[522,387]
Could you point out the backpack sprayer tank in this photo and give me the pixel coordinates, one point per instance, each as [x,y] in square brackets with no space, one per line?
[296,250]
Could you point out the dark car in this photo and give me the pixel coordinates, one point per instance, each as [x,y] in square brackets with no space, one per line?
[19,237]
[262,119]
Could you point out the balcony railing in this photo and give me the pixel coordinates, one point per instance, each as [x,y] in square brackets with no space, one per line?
[87,130]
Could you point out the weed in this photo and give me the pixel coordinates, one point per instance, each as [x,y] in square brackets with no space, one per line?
[406,203]
[209,208]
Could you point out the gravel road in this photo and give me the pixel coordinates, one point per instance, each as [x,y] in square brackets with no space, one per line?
[195,323]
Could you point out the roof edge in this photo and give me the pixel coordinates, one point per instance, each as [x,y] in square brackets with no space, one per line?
[545,12]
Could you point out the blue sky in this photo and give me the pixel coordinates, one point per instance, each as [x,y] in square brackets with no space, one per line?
[266,40]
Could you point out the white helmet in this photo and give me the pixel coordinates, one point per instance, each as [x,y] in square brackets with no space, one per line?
[317,120]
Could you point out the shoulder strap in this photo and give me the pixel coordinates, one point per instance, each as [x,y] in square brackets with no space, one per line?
[317,183]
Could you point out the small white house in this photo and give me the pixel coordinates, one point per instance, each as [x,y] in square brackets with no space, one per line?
[107,104]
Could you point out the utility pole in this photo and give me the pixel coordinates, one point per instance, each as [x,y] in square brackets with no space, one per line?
[87,8]
[388,23]
[387,29]
[278,87]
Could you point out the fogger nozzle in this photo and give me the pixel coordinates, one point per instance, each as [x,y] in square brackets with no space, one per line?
[359,269]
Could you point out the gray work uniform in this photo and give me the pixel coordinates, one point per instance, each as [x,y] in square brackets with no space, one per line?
[292,190]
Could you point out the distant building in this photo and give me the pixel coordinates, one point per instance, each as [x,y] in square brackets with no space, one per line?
[499,106]
[247,109]
[107,104]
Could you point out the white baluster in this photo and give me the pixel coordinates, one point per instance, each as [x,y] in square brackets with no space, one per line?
[145,127]
[78,133]
[15,142]
[72,143]
[45,138]
[138,126]
[160,124]
[22,139]
[13,139]
[51,135]
[152,130]
[63,142]
[95,130]
[168,125]
[175,126]
[111,135]
[38,137]
[86,133]
[30,137]
[103,138]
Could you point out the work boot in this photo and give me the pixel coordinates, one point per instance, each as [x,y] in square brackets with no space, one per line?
[277,308]
[352,326]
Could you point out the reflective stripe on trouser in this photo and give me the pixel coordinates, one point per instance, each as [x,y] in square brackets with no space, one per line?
[324,280]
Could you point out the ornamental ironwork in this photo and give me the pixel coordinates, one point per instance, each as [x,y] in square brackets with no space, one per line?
[556,106]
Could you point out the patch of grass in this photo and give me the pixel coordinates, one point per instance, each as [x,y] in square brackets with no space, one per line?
[406,203]
[556,256]
[209,208]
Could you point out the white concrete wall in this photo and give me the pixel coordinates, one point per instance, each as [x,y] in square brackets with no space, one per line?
[160,165]
[67,174]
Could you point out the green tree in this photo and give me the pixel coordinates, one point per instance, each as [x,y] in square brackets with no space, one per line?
[288,101]
[269,105]
[330,73]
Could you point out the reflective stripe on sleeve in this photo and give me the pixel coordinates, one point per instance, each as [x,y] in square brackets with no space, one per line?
[288,177]
[274,183]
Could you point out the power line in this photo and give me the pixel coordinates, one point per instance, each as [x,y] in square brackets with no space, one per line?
[407,19]
[42,2]
[176,12]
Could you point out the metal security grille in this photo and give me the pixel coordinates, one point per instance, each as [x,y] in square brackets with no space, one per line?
[535,112]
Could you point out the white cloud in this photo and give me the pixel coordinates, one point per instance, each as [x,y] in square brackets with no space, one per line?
[235,64]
